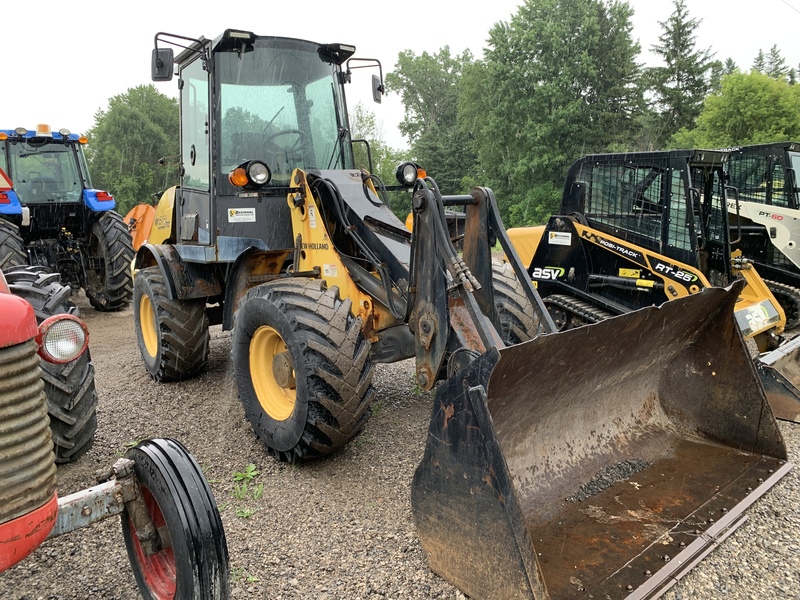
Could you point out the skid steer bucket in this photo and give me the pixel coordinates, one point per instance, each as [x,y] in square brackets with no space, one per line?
[601,462]
[780,375]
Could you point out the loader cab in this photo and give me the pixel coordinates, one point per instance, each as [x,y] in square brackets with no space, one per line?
[767,174]
[244,97]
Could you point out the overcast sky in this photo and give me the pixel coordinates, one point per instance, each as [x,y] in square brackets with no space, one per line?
[62,61]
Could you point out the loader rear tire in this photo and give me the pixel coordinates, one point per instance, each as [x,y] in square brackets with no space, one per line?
[69,388]
[302,368]
[789,299]
[172,334]
[109,284]
[12,246]
[519,321]
[195,564]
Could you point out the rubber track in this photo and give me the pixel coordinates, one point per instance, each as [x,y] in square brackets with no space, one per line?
[585,311]
[786,294]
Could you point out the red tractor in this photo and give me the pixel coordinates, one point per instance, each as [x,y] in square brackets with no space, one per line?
[170,521]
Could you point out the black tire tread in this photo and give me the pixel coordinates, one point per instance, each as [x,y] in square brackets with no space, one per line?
[69,388]
[518,319]
[117,245]
[183,327]
[337,367]
[12,246]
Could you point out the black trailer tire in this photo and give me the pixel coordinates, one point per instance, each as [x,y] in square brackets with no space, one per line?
[195,565]
[12,246]
[172,334]
[519,321]
[109,253]
[789,299]
[69,388]
[302,368]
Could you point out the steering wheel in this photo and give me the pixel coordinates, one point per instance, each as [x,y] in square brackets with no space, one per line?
[300,135]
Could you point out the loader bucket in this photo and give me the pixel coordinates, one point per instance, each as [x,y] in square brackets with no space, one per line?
[600,462]
[780,375]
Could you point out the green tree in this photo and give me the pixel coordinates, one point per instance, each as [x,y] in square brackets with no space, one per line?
[429,86]
[760,62]
[557,81]
[385,160]
[776,66]
[680,86]
[138,128]
[749,109]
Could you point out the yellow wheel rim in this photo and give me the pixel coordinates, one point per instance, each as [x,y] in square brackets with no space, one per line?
[276,396]
[147,323]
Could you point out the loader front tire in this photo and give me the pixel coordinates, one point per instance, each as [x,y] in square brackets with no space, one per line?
[302,368]
[109,286]
[69,388]
[172,334]
[519,321]
[12,246]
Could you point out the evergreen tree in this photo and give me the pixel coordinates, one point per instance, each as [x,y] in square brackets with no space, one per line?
[681,85]
[557,81]
[729,67]
[776,66]
[760,62]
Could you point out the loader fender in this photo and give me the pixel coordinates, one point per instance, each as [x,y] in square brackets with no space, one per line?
[553,469]
[184,280]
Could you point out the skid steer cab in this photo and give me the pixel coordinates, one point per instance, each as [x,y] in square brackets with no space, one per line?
[170,522]
[641,229]
[54,217]
[764,206]
[275,235]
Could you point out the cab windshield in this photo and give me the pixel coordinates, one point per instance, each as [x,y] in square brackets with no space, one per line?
[281,103]
[44,172]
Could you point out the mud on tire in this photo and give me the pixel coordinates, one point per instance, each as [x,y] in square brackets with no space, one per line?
[328,400]
[69,388]
[109,284]
[172,334]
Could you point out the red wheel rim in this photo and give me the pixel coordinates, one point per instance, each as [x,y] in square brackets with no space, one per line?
[159,570]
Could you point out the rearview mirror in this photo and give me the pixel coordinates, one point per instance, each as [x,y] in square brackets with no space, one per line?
[377,88]
[161,66]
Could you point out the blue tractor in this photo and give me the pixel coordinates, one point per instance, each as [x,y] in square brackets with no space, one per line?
[54,217]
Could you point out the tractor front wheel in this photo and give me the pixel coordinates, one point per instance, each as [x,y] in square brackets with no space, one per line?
[193,561]
[519,321]
[172,334]
[108,263]
[302,368]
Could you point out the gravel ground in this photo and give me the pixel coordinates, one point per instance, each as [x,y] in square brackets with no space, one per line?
[337,528]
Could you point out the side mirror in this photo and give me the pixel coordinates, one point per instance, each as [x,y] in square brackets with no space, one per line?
[377,88]
[161,66]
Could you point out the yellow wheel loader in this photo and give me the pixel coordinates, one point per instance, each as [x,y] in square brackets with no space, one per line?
[640,229]
[557,464]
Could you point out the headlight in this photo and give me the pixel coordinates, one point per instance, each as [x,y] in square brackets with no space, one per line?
[62,338]
[408,173]
[252,174]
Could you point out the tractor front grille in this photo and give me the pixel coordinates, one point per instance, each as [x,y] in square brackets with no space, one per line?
[27,462]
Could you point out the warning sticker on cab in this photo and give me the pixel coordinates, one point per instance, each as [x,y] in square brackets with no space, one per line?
[241,215]
[558,238]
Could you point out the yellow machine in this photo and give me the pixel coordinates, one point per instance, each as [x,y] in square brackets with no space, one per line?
[558,464]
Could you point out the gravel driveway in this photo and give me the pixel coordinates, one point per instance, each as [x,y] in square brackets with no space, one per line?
[336,528]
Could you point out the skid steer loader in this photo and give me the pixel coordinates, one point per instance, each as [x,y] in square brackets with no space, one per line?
[639,229]
[766,221]
[275,235]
